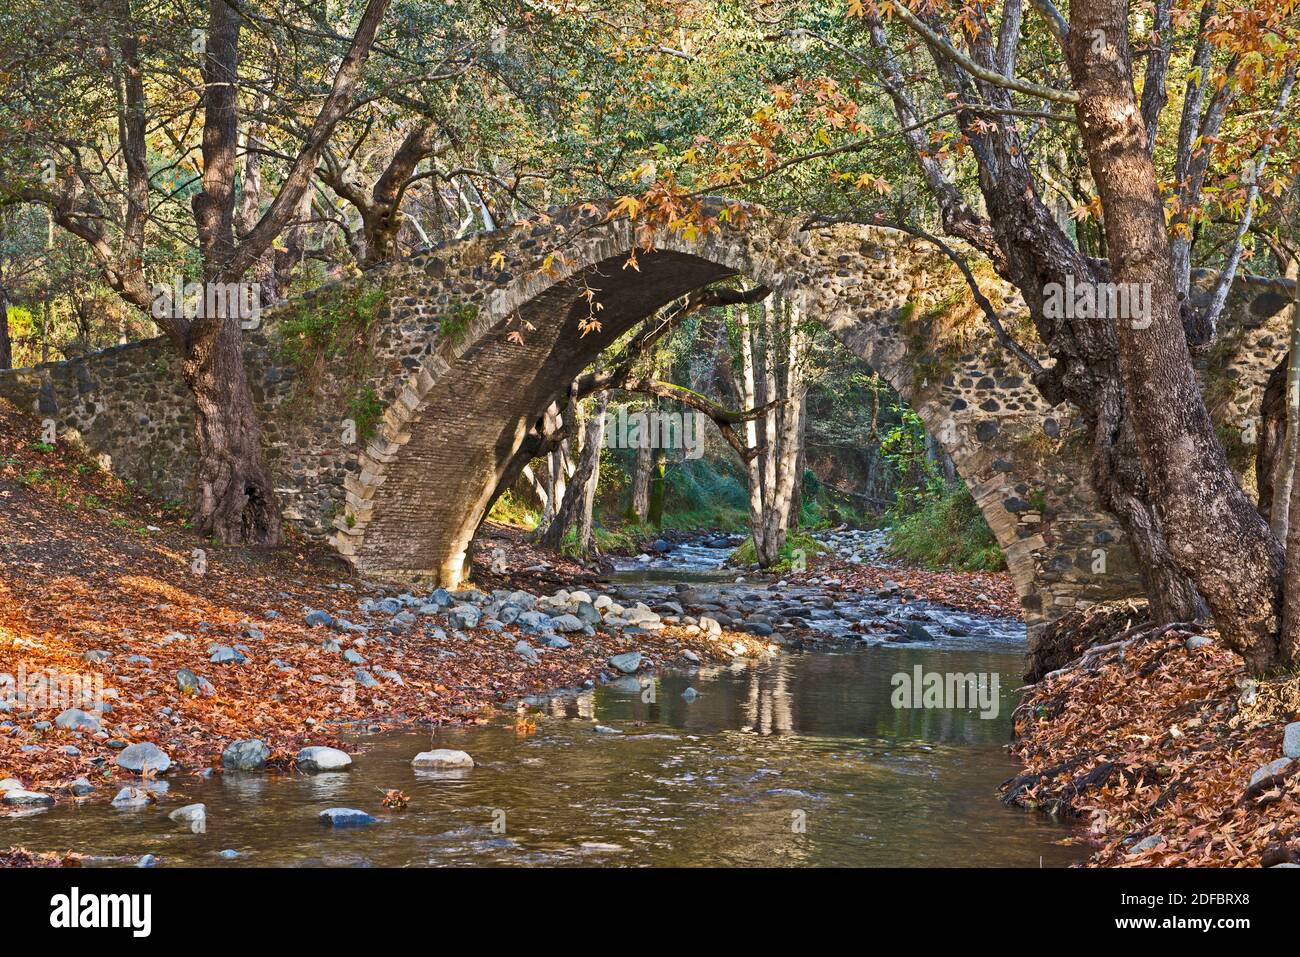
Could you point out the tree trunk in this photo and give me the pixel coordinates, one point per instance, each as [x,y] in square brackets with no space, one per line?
[1272,437]
[796,497]
[6,344]
[773,309]
[1291,587]
[1290,651]
[559,424]
[754,466]
[235,498]
[641,478]
[657,490]
[1215,535]
[574,503]
[1034,253]
[785,456]
[595,443]
[1291,442]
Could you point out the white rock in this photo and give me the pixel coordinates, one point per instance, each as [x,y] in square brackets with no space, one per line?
[323,759]
[190,813]
[442,759]
[1270,769]
[24,798]
[1290,741]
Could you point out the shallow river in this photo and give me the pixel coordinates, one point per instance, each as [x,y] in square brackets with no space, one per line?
[799,760]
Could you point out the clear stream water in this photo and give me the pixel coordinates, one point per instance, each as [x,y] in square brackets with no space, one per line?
[796,760]
[805,739]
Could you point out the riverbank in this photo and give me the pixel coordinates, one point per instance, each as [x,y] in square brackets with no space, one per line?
[1156,738]
[189,647]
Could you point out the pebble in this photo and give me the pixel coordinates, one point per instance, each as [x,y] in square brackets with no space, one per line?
[225,655]
[1155,840]
[74,719]
[1270,769]
[1291,740]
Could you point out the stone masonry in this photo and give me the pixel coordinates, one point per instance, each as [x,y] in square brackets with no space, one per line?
[469,342]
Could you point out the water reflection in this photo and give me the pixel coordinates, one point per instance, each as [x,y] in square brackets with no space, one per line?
[801,760]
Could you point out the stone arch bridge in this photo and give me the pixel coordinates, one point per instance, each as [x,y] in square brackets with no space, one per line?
[466,344]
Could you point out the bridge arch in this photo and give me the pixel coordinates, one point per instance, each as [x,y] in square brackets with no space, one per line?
[455,394]
[423,482]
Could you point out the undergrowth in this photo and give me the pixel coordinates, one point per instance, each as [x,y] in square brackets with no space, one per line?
[944,529]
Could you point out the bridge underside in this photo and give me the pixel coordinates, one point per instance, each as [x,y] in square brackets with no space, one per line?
[420,521]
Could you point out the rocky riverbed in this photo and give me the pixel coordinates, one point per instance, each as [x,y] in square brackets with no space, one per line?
[801,607]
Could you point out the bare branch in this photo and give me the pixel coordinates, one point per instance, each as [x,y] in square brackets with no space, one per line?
[991,77]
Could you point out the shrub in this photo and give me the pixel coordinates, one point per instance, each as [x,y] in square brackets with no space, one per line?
[944,529]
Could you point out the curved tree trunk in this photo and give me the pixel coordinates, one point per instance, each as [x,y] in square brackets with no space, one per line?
[1215,535]
[1029,249]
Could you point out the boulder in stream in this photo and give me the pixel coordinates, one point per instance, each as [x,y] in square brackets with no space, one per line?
[628,662]
[18,797]
[315,759]
[442,759]
[144,757]
[346,817]
[247,755]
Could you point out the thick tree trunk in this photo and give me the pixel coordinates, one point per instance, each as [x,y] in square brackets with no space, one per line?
[235,497]
[1215,535]
[1291,597]
[1034,253]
